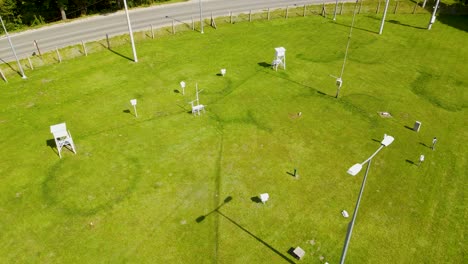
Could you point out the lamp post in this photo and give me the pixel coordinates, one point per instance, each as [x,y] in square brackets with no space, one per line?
[201,17]
[334,12]
[13,49]
[383,17]
[433,17]
[130,32]
[355,169]
[339,80]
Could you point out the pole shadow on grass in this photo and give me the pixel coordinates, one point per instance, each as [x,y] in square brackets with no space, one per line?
[11,67]
[410,128]
[216,210]
[424,144]
[117,53]
[357,28]
[256,238]
[410,161]
[396,22]
[202,217]
[298,83]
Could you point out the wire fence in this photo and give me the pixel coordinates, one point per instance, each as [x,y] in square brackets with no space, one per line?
[53,55]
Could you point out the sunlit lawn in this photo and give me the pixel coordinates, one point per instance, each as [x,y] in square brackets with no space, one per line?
[151,189]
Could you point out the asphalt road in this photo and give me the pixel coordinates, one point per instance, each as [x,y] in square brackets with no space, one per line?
[96,27]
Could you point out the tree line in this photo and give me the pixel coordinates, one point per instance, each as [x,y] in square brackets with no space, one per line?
[18,14]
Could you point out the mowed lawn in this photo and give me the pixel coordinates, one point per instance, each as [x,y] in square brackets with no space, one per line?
[170,187]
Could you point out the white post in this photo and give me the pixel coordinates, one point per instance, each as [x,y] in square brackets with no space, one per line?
[58,55]
[334,12]
[84,48]
[433,17]
[30,64]
[339,81]
[152,31]
[3,76]
[135,59]
[134,103]
[182,85]
[196,88]
[383,17]
[173,27]
[13,49]
[201,17]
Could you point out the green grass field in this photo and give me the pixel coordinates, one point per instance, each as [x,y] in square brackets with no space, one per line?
[152,189]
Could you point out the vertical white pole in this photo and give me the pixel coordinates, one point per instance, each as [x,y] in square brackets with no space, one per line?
[196,88]
[30,64]
[173,27]
[383,17]
[134,108]
[3,76]
[13,49]
[84,48]
[58,55]
[346,51]
[433,17]
[334,12]
[201,17]
[135,59]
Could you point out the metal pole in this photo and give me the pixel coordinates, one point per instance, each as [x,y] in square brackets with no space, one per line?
[334,12]
[433,17]
[13,49]
[347,48]
[351,224]
[201,15]
[383,17]
[130,32]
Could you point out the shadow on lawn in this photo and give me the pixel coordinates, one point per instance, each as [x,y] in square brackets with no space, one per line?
[396,22]
[11,67]
[117,53]
[227,200]
[298,83]
[357,28]
[51,143]
[201,218]
[257,238]
[421,143]
[255,199]
[264,64]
